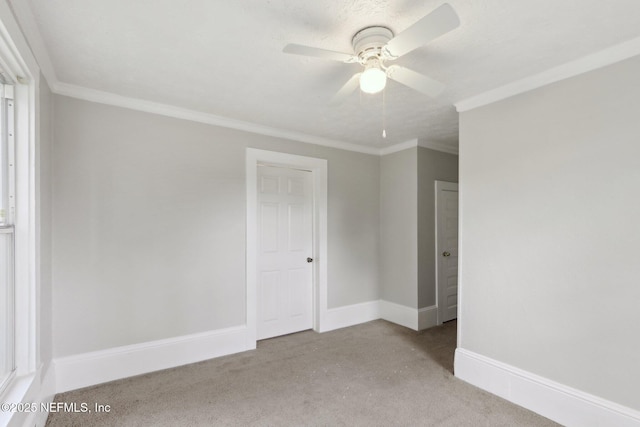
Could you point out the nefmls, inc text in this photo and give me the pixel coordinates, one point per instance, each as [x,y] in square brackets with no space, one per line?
[52,407]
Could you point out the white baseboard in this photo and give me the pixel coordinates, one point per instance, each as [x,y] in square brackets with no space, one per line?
[97,367]
[399,314]
[555,401]
[87,369]
[413,318]
[427,317]
[350,315]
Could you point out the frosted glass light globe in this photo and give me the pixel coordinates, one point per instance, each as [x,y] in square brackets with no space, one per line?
[373,80]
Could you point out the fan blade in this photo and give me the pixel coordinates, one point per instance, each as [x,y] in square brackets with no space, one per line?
[349,87]
[415,81]
[440,21]
[297,49]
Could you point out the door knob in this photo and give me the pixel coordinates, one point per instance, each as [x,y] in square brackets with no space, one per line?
[445,253]
[309,259]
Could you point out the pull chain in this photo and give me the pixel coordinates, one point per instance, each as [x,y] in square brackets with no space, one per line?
[384,113]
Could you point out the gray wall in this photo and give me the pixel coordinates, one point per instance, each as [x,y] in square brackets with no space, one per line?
[399,227]
[407,223]
[432,165]
[149,225]
[44,222]
[550,237]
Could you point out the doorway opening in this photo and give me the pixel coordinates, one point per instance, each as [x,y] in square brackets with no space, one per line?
[276,184]
[446,250]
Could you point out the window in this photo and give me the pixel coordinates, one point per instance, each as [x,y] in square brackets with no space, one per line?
[21,377]
[6,155]
[7,258]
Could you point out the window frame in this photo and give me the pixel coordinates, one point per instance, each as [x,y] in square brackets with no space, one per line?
[7,128]
[19,65]
[7,132]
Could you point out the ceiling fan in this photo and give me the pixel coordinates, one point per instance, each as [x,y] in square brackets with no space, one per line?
[374,46]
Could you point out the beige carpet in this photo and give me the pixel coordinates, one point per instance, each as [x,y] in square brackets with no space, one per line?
[374,374]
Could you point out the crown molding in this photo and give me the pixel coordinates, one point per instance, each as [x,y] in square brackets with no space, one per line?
[36,43]
[35,40]
[37,46]
[398,147]
[585,64]
[113,99]
[438,146]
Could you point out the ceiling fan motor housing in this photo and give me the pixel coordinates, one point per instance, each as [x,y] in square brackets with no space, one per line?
[369,42]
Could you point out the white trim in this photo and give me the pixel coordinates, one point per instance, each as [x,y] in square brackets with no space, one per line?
[585,64]
[433,145]
[350,315]
[30,27]
[113,99]
[9,100]
[398,147]
[427,317]
[412,318]
[548,398]
[25,15]
[26,287]
[251,314]
[21,66]
[107,98]
[461,247]
[83,370]
[438,146]
[399,314]
[320,175]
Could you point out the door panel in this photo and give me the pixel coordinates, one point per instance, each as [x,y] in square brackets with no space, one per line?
[298,295]
[285,299]
[298,238]
[269,184]
[270,284]
[269,226]
[447,250]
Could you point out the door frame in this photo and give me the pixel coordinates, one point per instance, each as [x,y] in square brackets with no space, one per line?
[439,186]
[318,169]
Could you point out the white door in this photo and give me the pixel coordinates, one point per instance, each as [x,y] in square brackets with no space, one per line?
[284,259]
[447,250]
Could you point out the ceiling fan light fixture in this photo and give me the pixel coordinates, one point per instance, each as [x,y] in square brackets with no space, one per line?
[374,46]
[373,79]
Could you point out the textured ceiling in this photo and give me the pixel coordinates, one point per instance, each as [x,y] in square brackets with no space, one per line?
[225,57]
